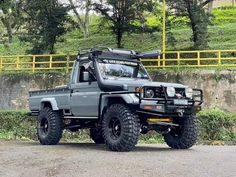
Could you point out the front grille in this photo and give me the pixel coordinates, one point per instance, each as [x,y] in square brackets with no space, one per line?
[180,92]
[160,93]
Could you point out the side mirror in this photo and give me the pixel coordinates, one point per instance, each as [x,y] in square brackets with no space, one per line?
[85,76]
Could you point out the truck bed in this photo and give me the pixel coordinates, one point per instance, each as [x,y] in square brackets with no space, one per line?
[60,94]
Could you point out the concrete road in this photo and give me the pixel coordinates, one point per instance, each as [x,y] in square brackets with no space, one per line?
[23,159]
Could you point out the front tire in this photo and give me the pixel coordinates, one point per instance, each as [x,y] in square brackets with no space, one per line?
[185,136]
[50,126]
[120,128]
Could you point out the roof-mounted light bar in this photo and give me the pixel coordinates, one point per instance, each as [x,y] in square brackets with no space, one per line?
[122,51]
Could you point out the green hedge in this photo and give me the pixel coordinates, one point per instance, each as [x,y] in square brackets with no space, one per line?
[17,125]
[214,124]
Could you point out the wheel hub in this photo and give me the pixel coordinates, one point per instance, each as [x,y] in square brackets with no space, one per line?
[115,128]
[44,126]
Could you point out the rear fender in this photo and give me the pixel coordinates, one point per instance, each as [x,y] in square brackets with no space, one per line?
[51,101]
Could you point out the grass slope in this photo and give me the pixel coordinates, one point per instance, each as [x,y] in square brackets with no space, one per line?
[220,37]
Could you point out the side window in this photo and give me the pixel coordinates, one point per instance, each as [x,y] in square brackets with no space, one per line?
[74,73]
[80,74]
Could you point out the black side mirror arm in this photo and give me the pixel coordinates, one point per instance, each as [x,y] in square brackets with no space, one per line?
[90,79]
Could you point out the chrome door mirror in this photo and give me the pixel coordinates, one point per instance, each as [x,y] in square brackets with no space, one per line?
[85,76]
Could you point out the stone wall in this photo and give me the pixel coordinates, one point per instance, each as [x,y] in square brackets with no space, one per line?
[14,88]
[219,86]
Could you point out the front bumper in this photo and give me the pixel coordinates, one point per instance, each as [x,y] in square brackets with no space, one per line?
[166,106]
[163,110]
[161,107]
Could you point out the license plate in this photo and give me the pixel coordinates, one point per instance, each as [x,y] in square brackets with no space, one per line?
[181,102]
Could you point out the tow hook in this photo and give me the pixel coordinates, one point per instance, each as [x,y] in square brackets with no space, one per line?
[180,112]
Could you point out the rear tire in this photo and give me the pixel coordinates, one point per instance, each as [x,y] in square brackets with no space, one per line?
[50,126]
[185,136]
[120,128]
[96,135]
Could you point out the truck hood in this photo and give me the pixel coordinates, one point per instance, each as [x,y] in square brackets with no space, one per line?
[130,83]
[156,84]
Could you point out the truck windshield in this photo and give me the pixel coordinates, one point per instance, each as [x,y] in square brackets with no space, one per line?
[122,69]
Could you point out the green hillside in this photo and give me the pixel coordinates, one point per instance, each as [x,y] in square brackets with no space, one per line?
[221,36]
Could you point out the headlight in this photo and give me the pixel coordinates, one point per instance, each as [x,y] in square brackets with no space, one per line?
[170,91]
[150,93]
[189,92]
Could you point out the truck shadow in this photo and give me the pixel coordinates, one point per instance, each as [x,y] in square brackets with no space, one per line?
[138,148]
[95,147]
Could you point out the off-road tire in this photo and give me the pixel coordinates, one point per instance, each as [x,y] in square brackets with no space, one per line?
[186,136]
[54,120]
[96,135]
[129,128]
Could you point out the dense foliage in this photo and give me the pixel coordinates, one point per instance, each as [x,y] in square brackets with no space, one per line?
[45,23]
[122,14]
[10,18]
[60,26]
[198,19]
[216,124]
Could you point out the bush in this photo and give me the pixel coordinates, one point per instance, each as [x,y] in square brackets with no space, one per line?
[17,124]
[216,124]
[178,21]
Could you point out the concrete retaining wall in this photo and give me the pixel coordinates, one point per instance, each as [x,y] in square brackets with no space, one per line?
[219,86]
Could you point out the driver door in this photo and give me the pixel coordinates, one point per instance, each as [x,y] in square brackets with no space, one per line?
[85,95]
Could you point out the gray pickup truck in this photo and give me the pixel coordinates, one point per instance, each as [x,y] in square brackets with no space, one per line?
[111,93]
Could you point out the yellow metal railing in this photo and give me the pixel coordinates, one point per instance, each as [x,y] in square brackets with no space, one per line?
[36,63]
[169,59]
[194,59]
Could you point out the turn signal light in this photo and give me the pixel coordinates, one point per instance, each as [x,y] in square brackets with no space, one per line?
[148,107]
[139,89]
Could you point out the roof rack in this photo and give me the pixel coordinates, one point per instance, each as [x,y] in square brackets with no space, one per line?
[131,54]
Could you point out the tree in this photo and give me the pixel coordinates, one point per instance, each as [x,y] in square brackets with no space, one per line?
[78,6]
[9,16]
[199,18]
[122,14]
[45,23]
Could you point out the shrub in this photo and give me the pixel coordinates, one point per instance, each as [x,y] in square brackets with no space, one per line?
[178,21]
[17,124]
[216,124]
